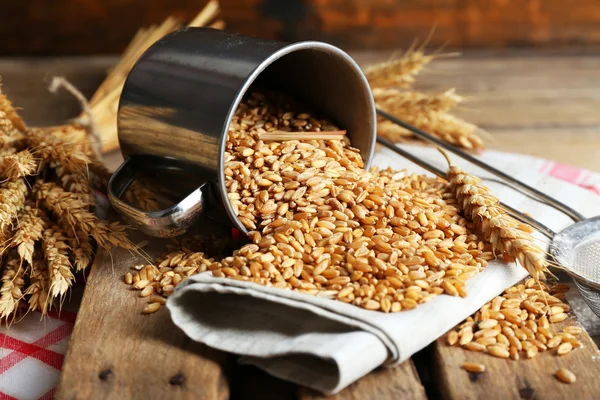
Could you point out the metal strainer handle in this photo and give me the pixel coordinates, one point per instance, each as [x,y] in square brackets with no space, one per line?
[552,202]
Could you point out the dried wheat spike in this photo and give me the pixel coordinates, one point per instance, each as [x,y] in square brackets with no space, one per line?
[17,165]
[400,72]
[12,285]
[76,182]
[446,127]
[81,247]
[38,287]
[12,199]
[507,235]
[9,113]
[30,229]
[7,128]
[74,134]
[55,149]
[68,206]
[59,266]
[401,102]
[141,197]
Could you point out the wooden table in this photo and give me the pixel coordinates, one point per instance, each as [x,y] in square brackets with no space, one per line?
[538,103]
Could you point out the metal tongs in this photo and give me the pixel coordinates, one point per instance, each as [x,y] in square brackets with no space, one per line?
[576,249]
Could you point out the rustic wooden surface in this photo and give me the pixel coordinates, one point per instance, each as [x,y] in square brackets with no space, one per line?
[523,379]
[111,356]
[41,27]
[115,352]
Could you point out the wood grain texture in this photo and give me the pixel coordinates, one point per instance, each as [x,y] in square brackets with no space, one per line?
[115,352]
[39,27]
[401,382]
[386,24]
[523,379]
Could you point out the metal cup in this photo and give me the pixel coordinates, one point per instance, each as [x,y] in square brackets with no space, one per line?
[180,97]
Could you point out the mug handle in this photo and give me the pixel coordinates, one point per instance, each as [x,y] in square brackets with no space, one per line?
[170,222]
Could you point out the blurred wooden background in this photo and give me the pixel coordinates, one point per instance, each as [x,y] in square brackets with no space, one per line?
[57,27]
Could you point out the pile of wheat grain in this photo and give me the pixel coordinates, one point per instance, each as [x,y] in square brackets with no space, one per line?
[320,224]
[519,321]
[47,226]
[392,84]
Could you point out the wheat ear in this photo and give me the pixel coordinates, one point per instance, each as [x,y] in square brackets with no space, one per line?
[10,113]
[57,259]
[507,235]
[17,165]
[12,199]
[68,205]
[76,182]
[58,150]
[446,127]
[37,290]
[28,232]
[402,102]
[400,72]
[81,247]
[11,291]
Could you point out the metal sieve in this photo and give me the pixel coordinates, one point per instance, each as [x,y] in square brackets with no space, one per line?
[576,248]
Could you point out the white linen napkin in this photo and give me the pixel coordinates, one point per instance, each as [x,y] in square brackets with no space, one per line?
[325,344]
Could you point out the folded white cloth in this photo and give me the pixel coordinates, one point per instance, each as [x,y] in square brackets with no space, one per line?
[325,344]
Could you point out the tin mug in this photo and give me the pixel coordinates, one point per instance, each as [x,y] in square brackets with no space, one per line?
[179,99]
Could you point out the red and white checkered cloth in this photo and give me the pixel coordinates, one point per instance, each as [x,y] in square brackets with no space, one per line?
[32,350]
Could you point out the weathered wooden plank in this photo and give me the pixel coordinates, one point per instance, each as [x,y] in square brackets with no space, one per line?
[401,382]
[523,379]
[508,91]
[115,352]
[574,146]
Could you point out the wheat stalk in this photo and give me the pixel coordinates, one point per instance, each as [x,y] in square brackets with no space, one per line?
[104,103]
[507,235]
